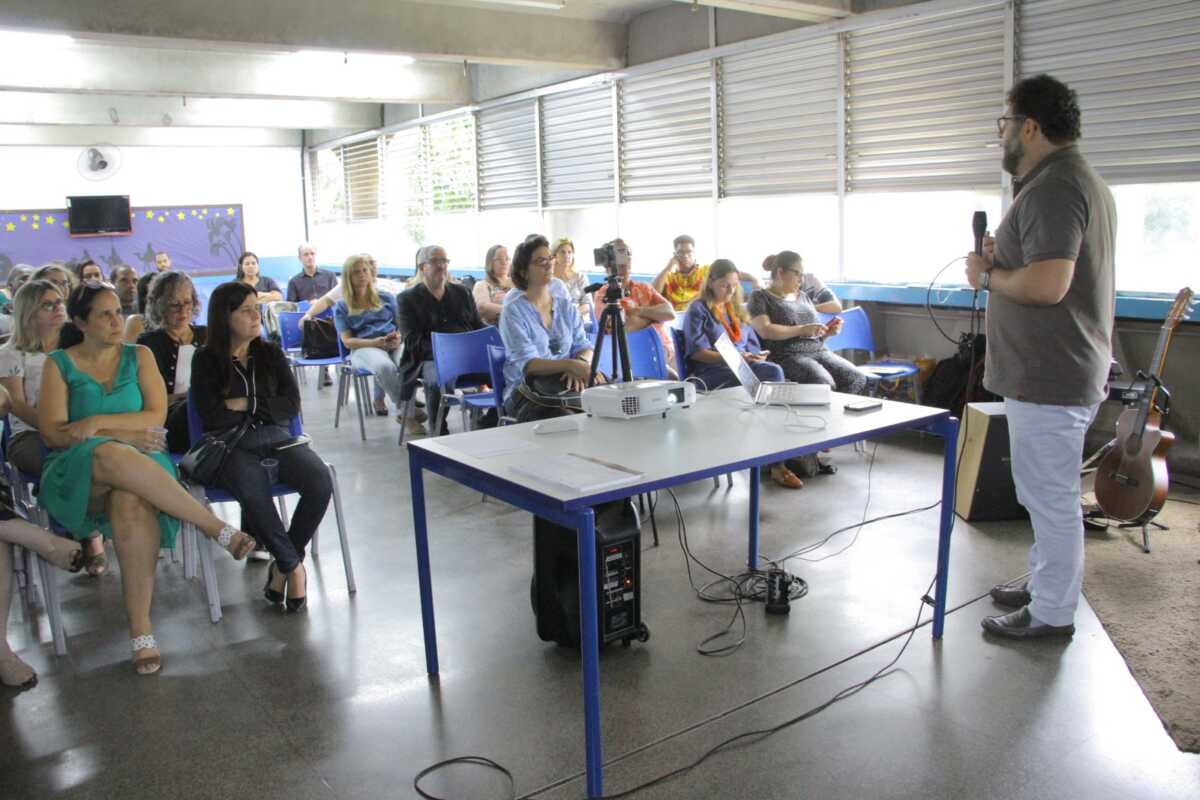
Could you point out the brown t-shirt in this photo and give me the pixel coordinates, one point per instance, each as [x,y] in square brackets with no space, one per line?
[1056,355]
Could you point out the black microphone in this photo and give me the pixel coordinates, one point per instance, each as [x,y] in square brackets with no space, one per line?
[979,226]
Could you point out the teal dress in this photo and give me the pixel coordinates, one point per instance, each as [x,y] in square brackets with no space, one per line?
[67,474]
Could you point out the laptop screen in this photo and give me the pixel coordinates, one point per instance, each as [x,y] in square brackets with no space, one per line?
[733,360]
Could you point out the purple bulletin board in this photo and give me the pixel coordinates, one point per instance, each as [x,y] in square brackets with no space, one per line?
[201,239]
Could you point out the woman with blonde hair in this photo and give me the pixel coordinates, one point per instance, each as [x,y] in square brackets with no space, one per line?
[366,323]
[489,292]
[563,254]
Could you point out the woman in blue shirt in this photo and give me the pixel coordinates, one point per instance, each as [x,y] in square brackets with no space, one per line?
[548,354]
[366,322]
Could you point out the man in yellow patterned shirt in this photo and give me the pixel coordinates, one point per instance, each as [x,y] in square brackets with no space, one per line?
[681,280]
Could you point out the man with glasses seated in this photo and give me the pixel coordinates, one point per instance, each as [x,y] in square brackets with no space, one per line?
[681,280]
[435,305]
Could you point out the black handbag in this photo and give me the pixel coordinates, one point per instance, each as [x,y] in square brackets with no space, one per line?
[202,463]
[320,339]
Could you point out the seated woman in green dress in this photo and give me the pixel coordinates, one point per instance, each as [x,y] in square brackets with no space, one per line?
[101,411]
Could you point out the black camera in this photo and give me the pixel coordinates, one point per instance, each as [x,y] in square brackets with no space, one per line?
[606,256]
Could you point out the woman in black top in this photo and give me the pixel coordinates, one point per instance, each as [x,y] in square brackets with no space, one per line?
[247,272]
[237,376]
[171,307]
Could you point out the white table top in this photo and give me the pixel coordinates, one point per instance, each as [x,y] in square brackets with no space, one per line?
[722,428]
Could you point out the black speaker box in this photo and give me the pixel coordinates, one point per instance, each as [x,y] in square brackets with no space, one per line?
[985,490]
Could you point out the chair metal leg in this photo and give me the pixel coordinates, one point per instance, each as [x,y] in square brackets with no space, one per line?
[209,571]
[404,414]
[351,586]
[53,608]
[716,482]
[362,399]
[729,479]
[283,512]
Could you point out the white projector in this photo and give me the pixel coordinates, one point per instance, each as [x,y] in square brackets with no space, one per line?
[637,398]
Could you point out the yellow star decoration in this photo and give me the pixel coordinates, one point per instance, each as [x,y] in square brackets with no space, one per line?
[66,224]
[149,215]
[36,226]
[162,219]
[24,218]
[37,217]
[229,211]
[204,213]
[10,227]
[194,212]
[181,215]
[49,220]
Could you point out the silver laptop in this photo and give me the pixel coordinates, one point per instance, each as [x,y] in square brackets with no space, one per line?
[770,392]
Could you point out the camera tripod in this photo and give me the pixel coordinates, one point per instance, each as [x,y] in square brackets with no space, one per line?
[612,323]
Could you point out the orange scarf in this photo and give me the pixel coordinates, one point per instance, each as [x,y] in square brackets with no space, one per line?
[729,321]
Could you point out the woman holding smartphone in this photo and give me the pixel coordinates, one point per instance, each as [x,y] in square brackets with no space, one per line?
[240,378]
[784,315]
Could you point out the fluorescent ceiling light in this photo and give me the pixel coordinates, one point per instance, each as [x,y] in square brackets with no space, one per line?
[553,5]
[27,40]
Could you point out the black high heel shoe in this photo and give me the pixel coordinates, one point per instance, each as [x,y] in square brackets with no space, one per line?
[274,597]
[297,603]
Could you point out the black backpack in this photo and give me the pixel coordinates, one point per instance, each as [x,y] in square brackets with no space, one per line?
[947,386]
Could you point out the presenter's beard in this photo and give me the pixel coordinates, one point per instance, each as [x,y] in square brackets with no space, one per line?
[1014,151]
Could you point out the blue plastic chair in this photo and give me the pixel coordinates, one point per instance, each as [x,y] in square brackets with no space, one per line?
[210,495]
[455,356]
[647,356]
[361,379]
[680,352]
[496,357]
[856,335]
[291,336]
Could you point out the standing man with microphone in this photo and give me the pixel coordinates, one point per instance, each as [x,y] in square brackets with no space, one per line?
[1049,331]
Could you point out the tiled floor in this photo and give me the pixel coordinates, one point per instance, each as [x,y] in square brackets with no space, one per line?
[335,703]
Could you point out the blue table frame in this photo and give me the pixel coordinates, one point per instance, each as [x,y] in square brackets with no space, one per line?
[578,514]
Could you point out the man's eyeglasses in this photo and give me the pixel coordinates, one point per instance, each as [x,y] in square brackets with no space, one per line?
[1006,118]
[52,305]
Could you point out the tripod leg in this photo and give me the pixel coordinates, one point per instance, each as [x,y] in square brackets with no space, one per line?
[1146,538]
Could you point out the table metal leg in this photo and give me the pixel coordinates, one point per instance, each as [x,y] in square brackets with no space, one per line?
[585,529]
[948,430]
[755,485]
[420,535]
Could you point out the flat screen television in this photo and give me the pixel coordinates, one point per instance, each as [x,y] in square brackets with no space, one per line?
[99,215]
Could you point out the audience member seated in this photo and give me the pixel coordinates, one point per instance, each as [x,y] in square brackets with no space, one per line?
[39,314]
[61,552]
[101,409]
[17,276]
[88,270]
[719,309]
[366,323]
[266,287]
[162,261]
[548,356]
[642,304]
[330,299]
[124,278]
[489,292]
[681,280]
[435,305]
[239,376]
[785,317]
[57,274]
[310,282]
[172,307]
[564,269]
[135,324]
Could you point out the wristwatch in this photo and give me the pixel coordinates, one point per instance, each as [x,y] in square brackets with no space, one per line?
[985,279]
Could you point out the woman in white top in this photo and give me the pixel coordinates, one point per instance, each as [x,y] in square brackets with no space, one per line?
[39,311]
[489,292]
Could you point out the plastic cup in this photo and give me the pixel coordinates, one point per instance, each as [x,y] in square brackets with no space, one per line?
[271,467]
[161,433]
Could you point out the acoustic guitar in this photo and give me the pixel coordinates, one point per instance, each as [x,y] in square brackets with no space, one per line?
[1132,480]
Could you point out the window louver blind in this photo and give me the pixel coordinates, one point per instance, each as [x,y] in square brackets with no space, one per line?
[1134,66]
[665,123]
[450,155]
[360,164]
[922,97]
[404,174]
[779,120]
[507,146]
[577,147]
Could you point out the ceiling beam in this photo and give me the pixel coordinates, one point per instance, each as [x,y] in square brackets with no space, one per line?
[33,64]
[87,135]
[60,108]
[424,31]
[802,10]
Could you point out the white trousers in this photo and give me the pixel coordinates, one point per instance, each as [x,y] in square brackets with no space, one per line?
[1047,450]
